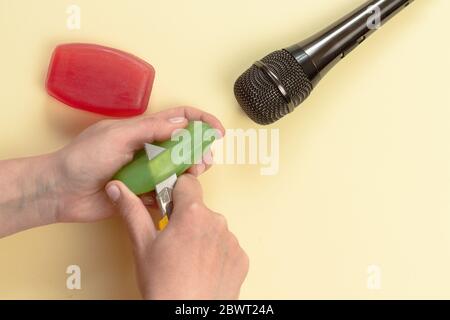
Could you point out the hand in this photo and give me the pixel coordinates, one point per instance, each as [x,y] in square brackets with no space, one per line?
[195,257]
[89,161]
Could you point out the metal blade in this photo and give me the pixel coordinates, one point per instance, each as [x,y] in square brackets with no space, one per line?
[152,150]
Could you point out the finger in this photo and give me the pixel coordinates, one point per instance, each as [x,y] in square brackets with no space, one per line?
[186,192]
[200,168]
[197,169]
[153,128]
[149,199]
[161,125]
[208,159]
[140,226]
[191,113]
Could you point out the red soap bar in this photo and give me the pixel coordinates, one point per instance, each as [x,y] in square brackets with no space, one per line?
[100,79]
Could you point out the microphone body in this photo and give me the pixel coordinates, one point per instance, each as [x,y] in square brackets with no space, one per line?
[277,84]
[330,45]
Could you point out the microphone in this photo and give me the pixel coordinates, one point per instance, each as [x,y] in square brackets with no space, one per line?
[274,86]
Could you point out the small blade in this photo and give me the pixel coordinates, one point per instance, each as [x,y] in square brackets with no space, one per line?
[163,189]
[168,183]
[164,195]
[152,150]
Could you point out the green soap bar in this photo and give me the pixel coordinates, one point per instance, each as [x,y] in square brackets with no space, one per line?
[185,148]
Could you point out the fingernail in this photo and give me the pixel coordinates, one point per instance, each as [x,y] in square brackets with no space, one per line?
[113,193]
[177,120]
[208,158]
[201,168]
[219,134]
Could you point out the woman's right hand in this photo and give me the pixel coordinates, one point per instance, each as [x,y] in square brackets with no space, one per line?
[194,257]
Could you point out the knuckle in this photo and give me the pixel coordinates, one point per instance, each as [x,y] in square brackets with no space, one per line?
[197,214]
[233,242]
[221,221]
[239,253]
[241,256]
[190,214]
[245,261]
[194,208]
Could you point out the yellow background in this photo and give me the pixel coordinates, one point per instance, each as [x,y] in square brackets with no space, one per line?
[364,173]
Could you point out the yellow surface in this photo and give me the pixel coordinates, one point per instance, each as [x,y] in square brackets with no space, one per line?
[364,166]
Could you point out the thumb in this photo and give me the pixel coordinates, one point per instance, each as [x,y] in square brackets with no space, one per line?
[139,223]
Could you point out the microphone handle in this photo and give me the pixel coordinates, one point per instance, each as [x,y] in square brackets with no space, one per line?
[319,53]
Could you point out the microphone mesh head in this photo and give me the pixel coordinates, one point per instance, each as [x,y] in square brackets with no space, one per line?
[259,96]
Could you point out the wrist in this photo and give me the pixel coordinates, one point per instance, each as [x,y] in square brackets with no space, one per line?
[29,193]
[44,187]
[54,200]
